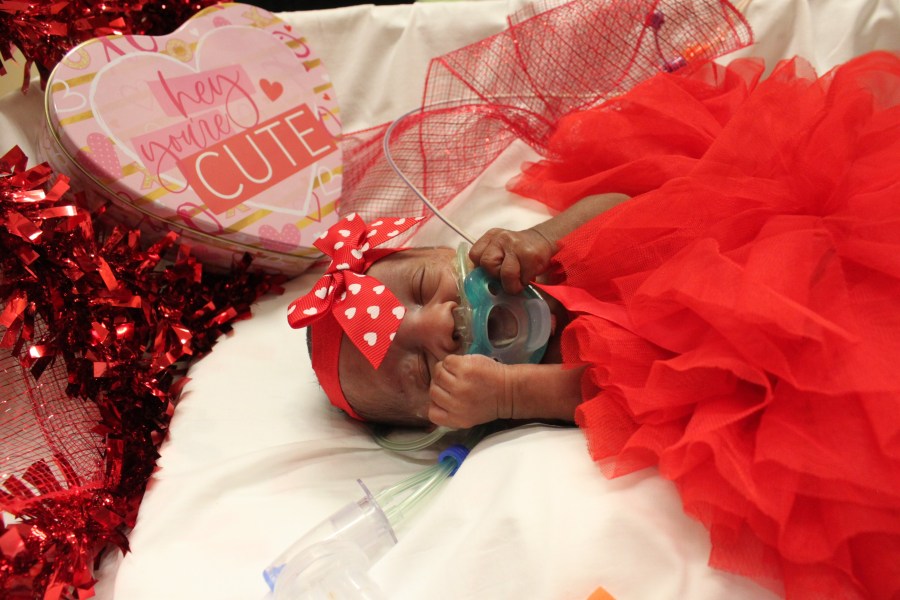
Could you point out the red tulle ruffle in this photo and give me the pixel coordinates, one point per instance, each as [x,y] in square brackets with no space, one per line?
[759,268]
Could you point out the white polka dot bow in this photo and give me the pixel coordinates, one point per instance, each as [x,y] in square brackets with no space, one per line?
[366,310]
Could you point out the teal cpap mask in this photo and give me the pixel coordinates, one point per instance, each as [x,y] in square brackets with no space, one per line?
[512,329]
[508,328]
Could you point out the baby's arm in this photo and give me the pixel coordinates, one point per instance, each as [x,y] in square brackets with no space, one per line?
[469,390]
[473,389]
[517,257]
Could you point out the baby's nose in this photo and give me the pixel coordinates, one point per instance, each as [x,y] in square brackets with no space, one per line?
[439,330]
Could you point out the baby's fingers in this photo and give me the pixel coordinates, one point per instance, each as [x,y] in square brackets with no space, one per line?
[511,274]
[449,418]
[492,259]
[443,410]
[447,408]
[442,374]
[478,248]
[439,416]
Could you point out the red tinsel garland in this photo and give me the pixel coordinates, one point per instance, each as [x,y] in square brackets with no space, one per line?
[116,325]
[45,30]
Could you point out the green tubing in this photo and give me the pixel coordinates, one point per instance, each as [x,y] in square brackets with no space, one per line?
[415,444]
[388,494]
[398,509]
[401,499]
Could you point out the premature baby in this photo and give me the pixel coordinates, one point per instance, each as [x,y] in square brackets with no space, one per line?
[383,339]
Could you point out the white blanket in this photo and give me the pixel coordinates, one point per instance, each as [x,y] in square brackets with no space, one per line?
[255,456]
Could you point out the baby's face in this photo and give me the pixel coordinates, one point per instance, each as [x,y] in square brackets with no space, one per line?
[397,392]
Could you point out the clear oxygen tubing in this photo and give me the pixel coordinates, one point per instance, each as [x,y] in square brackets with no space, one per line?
[401,499]
[671,63]
[386,145]
[433,436]
[382,438]
[332,559]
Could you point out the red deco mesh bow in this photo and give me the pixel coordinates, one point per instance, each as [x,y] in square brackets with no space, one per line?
[364,308]
[517,84]
[95,337]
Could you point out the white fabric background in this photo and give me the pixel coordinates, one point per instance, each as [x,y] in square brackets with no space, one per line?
[255,457]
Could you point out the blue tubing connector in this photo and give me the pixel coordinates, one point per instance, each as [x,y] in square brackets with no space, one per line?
[457,453]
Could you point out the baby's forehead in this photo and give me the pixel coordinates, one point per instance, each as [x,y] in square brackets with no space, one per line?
[398,267]
[418,255]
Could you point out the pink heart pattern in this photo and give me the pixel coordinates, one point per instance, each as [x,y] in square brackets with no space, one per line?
[101,160]
[235,127]
[285,240]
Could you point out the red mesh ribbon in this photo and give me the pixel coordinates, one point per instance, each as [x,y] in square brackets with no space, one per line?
[96,333]
[518,83]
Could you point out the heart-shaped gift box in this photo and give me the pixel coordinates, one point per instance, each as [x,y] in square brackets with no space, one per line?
[223,131]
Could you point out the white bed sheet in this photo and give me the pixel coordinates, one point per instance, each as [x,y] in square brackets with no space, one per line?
[255,456]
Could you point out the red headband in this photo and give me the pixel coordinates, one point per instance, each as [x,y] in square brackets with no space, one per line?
[326,353]
[346,300]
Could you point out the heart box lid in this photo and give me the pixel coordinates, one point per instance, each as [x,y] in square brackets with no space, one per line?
[224,130]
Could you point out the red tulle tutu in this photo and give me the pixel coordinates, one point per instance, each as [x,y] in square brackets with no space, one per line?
[755,362]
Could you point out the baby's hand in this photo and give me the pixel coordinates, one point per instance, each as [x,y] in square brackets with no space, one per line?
[469,390]
[513,257]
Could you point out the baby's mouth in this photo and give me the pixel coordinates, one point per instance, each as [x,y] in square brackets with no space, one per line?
[461,327]
[502,327]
